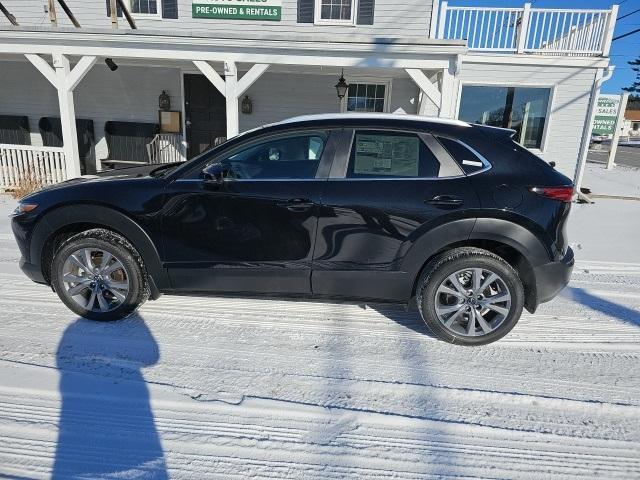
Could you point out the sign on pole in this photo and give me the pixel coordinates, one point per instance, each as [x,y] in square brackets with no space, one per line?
[606,115]
[270,10]
[622,106]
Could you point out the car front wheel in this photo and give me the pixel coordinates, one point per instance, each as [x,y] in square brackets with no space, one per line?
[99,275]
[470,296]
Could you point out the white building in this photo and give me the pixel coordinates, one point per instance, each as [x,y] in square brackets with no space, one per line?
[534,70]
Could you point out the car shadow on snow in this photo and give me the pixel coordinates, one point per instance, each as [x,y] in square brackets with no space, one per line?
[625,314]
[106,427]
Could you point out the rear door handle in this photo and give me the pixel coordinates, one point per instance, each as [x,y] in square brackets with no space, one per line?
[445,201]
[297,204]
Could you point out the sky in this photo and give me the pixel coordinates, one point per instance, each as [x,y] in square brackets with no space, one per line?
[622,50]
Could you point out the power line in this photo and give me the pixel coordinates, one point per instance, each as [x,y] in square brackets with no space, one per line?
[628,14]
[626,34]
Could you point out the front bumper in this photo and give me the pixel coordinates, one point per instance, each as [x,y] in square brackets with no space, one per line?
[34,273]
[552,277]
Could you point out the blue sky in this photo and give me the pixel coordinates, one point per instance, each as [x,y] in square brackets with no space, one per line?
[621,51]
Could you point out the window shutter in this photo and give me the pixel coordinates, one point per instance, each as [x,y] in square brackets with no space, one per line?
[365,12]
[109,9]
[306,11]
[169,8]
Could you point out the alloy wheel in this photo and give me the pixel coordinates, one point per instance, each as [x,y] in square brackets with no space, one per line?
[472,302]
[95,279]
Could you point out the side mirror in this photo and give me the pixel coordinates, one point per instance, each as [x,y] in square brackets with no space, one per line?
[216,172]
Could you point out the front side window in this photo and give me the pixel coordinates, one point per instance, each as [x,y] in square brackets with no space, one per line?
[523,109]
[148,7]
[366,97]
[339,11]
[376,154]
[287,157]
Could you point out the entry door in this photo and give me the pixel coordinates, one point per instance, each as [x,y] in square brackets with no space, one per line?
[247,221]
[206,117]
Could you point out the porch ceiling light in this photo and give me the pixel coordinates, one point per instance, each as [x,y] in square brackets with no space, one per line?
[342,86]
[111,64]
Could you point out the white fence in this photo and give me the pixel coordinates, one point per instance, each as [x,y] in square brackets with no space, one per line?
[529,30]
[166,148]
[22,162]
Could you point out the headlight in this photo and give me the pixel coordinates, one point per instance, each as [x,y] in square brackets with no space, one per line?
[25,208]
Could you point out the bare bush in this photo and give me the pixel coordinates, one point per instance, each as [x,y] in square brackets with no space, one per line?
[28,183]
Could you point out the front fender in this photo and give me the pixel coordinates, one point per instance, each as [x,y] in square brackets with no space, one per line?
[62,217]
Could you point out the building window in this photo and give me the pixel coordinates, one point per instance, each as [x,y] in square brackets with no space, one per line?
[144,7]
[523,109]
[335,11]
[366,97]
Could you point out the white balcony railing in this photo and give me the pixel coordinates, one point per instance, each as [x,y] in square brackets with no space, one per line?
[24,163]
[529,30]
[166,148]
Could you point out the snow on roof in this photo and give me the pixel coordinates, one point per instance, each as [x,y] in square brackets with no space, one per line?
[373,116]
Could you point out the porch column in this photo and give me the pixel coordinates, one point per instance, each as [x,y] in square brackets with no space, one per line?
[231,87]
[65,81]
[442,98]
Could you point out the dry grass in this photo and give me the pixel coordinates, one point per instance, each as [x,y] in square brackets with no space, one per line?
[28,183]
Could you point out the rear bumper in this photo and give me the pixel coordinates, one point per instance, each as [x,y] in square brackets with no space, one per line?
[552,277]
[31,271]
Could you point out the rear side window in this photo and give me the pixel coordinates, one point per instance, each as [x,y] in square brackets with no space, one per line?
[468,160]
[377,154]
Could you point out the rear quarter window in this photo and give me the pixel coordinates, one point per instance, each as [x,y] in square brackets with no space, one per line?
[466,158]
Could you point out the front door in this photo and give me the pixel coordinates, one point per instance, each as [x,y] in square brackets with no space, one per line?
[246,222]
[205,114]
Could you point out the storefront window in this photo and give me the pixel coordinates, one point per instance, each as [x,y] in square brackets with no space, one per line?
[523,109]
[366,97]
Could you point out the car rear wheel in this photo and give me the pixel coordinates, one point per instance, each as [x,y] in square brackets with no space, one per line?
[470,296]
[99,275]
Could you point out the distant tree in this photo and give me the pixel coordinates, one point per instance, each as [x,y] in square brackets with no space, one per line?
[635,87]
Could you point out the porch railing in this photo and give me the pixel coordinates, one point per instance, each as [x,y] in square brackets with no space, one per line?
[166,148]
[529,30]
[19,163]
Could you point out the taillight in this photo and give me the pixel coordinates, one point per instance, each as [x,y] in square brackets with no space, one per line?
[563,194]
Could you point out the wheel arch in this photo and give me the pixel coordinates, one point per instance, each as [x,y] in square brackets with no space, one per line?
[517,245]
[61,223]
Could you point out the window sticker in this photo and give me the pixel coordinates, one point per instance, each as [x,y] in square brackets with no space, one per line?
[391,155]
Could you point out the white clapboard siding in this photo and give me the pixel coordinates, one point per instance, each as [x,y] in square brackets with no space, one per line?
[21,162]
[410,18]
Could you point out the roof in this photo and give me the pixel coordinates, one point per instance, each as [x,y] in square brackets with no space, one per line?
[374,117]
[633,115]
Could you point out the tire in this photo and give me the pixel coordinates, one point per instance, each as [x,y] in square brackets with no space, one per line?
[104,288]
[448,309]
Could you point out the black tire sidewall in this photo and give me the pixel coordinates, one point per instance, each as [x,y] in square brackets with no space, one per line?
[132,268]
[448,265]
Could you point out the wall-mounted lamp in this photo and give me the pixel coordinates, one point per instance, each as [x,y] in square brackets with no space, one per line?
[247,105]
[342,86]
[111,64]
[164,101]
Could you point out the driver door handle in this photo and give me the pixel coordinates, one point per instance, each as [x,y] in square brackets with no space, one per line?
[297,204]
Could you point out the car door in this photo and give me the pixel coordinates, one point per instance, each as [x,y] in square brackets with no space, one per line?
[246,220]
[386,189]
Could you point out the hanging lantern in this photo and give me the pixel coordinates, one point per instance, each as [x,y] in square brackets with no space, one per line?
[165,101]
[247,105]
[342,86]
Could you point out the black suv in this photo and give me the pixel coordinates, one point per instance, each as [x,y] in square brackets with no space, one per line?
[366,207]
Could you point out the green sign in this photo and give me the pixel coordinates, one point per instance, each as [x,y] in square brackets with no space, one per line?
[606,115]
[270,10]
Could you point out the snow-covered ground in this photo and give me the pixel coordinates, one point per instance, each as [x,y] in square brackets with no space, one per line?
[197,388]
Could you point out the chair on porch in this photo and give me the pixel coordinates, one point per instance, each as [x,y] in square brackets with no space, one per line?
[51,132]
[14,130]
[127,143]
